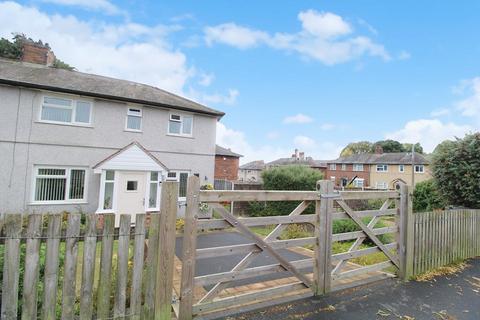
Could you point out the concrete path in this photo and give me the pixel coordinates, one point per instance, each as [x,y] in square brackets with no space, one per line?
[445,298]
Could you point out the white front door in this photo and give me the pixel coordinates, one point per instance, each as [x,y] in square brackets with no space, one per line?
[131,193]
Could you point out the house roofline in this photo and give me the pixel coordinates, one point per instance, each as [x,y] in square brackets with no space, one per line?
[219,114]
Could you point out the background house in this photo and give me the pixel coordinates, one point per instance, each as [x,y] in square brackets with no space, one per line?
[251,172]
[379,170]
[299,158]
[226,168]
[75,141]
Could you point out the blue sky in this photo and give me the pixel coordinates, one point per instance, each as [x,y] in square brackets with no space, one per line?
[313,75]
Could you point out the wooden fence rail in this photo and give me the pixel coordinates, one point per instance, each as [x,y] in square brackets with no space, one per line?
[443,237]
[76,267]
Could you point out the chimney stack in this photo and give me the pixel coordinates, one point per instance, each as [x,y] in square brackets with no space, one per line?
[38,53]
[302,155]
[378,149]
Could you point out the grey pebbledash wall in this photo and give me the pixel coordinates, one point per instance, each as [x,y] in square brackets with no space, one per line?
[25,142]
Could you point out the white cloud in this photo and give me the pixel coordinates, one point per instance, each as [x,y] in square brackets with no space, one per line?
[298,119]
[234,35]
[470,105]
[99,5]
[229,99]
[304,142]
[429,132]
[324,24]
[206,79]
[440,112]
[237,141]
[324,36]
[128,51]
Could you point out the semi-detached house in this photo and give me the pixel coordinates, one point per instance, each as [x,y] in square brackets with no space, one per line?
[72,141]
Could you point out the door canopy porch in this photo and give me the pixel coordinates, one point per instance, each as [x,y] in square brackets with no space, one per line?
[133,157]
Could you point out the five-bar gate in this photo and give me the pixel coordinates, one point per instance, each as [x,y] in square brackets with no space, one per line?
[319,271]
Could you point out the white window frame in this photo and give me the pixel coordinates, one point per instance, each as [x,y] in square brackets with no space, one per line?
[401,168]
[181,115]
[419,166]
[72,107]
[344,167]
[101,201]
[332,178]
[357,184]
[333,166]
[68,170]
[159,189]
[381,185]
[383,166]
[356,167]
[130,114]
[177,178]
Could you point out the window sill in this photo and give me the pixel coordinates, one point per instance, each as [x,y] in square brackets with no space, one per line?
[50,203]
[66,124]
[104,211]
[133,131]
[180,136]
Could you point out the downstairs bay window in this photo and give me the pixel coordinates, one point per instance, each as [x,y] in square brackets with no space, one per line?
[60,185]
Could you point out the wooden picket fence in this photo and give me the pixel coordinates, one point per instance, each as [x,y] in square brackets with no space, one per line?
[43,251]
[443,237]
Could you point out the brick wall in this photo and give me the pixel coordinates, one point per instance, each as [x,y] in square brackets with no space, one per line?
[226,168]
[35,53]
[349,174]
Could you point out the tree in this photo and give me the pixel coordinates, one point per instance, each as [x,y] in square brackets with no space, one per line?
[13,50]
[456,169]
[389,146]
[407,147]
[357,148]
[426,197]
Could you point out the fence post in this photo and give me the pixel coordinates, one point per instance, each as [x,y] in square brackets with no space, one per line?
[323,233]
[189,249]
[406,232]
[165,265]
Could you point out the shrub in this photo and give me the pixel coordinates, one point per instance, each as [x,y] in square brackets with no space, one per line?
[426,197]
[456,169]
[294,177]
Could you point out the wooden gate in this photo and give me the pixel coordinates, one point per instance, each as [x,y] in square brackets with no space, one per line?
[317,272]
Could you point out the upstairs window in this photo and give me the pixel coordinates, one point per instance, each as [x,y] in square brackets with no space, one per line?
[59,185]
[382,167]
[180,125]
[401,168]
[134,119]
[67,111]
[344,167]
[333,166]
[358,167]
[419,168]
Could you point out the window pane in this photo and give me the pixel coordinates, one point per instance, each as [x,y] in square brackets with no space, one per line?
[50,189]
[82,113]
[175,117]
[154,176]
[134,123]
[152,199]
[182,192]
[58,101]
[172,175]
[110,175]
[56,114]
[51,172]
[108,199]
[77,184]
[187,125]
[132,185]
[174,127]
